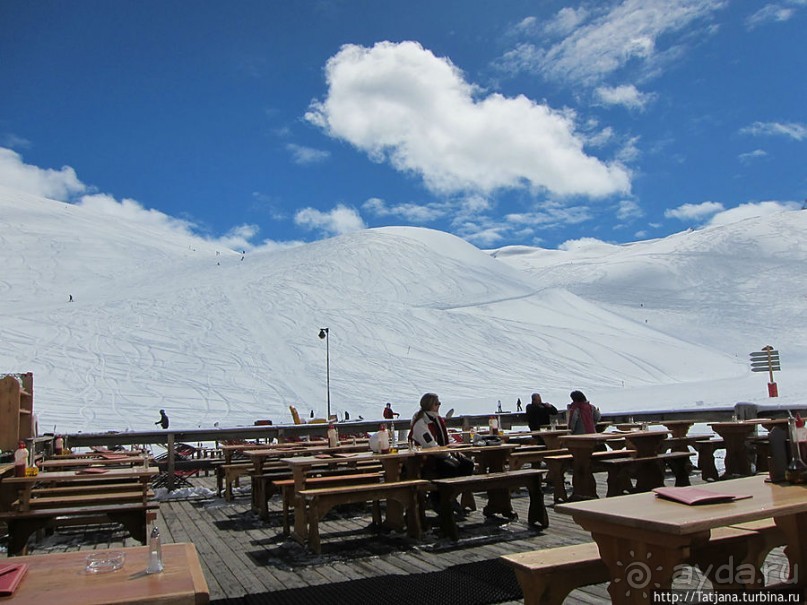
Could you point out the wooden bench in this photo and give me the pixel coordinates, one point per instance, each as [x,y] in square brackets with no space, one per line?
[649,472]
[286,487]
[262,490]
[319,501]
[533,457]
[82,499]
[547,576]
[134,516]
[263,486]
[770,536]
[229,474]
[75,489]
[558,465]
[504,481]
[706,457]
[744,546]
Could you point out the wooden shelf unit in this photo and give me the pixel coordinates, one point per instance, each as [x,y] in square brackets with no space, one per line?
[16,409]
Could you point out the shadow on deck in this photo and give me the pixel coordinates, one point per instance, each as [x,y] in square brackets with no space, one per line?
[480,583]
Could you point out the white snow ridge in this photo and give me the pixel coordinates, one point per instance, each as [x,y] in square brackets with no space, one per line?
[173,322]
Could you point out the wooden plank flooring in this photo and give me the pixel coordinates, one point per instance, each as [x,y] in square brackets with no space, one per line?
[243,555]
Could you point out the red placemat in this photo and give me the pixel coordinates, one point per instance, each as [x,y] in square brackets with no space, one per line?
[10,577]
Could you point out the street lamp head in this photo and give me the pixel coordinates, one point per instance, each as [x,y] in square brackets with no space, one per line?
[323,332]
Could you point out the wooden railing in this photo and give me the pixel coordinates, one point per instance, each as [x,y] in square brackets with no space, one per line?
[168,438]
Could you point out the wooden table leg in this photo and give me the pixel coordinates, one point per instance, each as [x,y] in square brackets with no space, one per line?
[649,475]
[642,561]
[706,459]
[537,512]
[300,518]
[584,486]
[795,528]
[395,510]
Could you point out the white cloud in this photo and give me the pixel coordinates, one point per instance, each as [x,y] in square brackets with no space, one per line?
[626,95]
[601,138]
[12,140]
[628,209]
[551,214]
[401,104]
[771,13]
[483,235]
[751,210]
[132,211]
[629,151]
[566,20]
[589,244]
[165,226]
[527,25]
[609,40]
[64,185]
[307,155]
[238,238]
[686,212]
[44,182]
[793,130]
[417,213]
[752,155]
[339,220]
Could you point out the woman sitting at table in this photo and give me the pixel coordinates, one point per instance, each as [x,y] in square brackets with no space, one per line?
[428,429]
[582,417]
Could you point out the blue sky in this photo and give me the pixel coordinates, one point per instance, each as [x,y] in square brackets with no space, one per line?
[264,124]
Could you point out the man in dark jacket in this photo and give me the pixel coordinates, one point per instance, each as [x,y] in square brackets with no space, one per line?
[163,421]
[538,412]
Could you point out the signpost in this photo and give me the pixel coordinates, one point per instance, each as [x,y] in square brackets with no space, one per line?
[767,360]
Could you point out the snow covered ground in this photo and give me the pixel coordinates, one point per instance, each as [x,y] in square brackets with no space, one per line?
[160,320]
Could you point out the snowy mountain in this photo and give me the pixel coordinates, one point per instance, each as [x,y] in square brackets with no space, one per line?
[160,320]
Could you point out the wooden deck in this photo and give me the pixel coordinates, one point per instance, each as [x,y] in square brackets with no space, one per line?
[243,555]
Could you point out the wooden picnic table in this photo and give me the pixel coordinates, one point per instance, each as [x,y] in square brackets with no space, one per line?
[25,485]
[656,536]
[260,456]
[58,464]
[776,432]
[490,458]
[60,578]
[550,437]
[647,444]
[643,444]
[229,450]
[118,494]
[678,428]
[96,453]
[682,444]
[581,447]
[735,436]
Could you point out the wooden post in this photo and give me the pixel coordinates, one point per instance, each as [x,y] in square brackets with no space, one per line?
[171,462]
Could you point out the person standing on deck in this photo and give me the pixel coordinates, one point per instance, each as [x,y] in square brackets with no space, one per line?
[538,412]
[163,421]
[389,413]
[582,417]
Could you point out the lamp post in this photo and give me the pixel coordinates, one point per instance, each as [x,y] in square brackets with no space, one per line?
[323,334]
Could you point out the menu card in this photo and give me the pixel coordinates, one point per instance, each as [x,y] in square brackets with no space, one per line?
[92,470]
[10,578]
[696,495]
[113,456]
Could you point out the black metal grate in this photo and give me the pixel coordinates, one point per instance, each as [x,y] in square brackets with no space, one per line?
[480,583]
